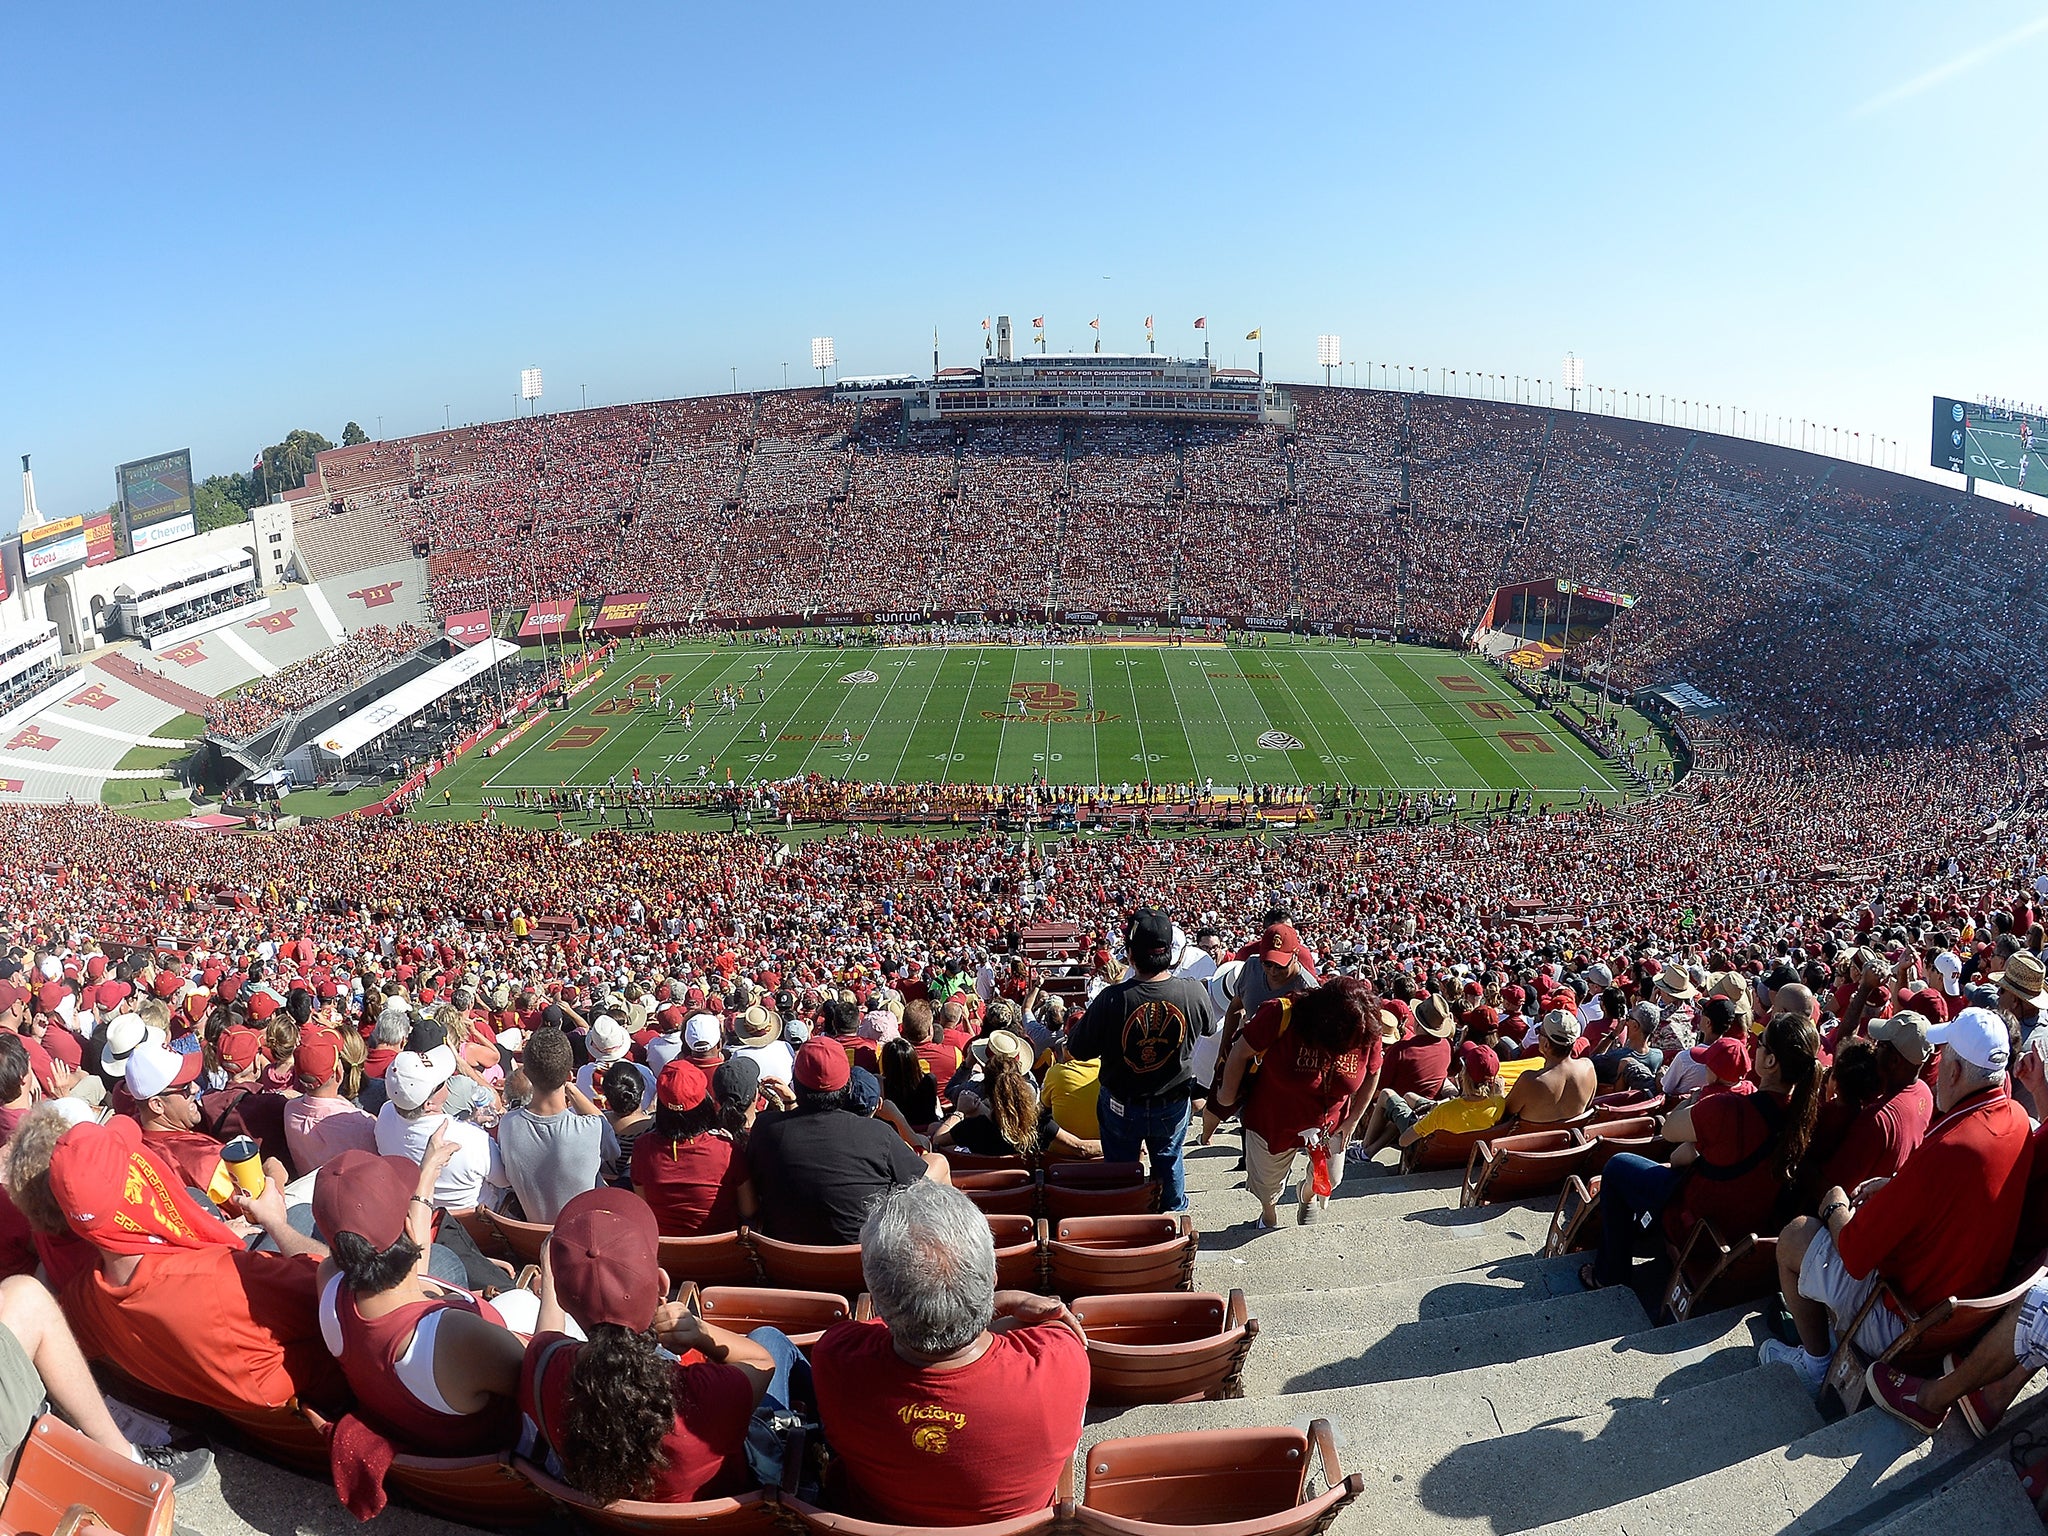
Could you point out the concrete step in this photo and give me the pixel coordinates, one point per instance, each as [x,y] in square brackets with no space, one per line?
[1503,1426]
[1337,1356]
[1353,1201]
[1280,1263]
[1987,1500]
[1543,1466]
[1808,1483]
[1369,1311]
[246,1497]
[1227,1222]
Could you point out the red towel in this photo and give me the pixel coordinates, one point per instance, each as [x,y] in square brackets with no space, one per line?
[360,1457]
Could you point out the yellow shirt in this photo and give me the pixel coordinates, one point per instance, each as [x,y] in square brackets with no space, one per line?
[1459,1115]
[1070,1092]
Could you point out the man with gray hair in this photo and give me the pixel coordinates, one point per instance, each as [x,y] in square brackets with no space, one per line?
[959,1404]
[1943,1226]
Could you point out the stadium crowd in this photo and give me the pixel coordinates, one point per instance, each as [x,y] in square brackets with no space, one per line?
[1385,511]
[633,1036]
[335,670]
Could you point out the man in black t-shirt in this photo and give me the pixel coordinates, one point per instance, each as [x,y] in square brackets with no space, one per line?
[1143,1031]
[818,1168]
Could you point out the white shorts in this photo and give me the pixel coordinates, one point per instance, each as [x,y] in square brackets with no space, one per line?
[1825,1279]
[2030,1334]
[1267,1173]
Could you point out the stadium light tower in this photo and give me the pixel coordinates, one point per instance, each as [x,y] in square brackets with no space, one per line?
[1329,354]
[1574,377]
[529,388]
[822,356]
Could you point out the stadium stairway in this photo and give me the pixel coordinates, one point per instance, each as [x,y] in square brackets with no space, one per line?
[1478,1389]
[357,540]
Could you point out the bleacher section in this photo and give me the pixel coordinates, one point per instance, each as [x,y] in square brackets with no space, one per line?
[336,544]
[1378,510]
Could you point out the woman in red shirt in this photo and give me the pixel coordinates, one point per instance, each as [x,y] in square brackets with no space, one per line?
[616,1418]
[1319,1059]
[686,1166]
[1734,1157]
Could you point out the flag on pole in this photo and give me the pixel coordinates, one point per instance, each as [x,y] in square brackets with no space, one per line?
[1148,322]
[1201,322]
[1095,324]
[984,322]
[1038,322]
[1252,334]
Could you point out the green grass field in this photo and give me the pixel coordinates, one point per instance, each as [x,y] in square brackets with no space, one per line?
[1289,713]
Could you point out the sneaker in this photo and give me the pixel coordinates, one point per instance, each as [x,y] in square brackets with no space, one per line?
[1977,1410]
[186,1461]
[1304,1213]
[1812,1370]
[1896,1393]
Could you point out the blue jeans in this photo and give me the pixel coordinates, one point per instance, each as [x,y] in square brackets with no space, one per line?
[788,1395]
[1633,1194]
[1158,1125]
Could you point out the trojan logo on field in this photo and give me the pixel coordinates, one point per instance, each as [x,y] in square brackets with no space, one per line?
[1045,698]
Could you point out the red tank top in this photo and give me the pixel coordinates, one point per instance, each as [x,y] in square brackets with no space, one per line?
[369,1356]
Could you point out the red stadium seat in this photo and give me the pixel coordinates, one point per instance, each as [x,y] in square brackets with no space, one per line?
[475,1490]
[1575,1225]
[1114,1255]
[802,1267]
[1020,1256]
[1221,1482]
[716,1258]
[1165,1346]
[803,1315]
[1951,1326]
[63,1480]
[1002,1191]
[1510,1168]
[1637,1134]
[1711,1274]
[751,1514]
[522,1239]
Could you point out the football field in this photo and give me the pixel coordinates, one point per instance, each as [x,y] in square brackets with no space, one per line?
[1375,716]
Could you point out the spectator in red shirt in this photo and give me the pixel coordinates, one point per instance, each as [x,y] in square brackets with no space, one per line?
[1319,1069]
[1882,1108]
[1943,1227]
[165,1087]
[959,1404]
[174,1298]
[686,1165]
[617,1419]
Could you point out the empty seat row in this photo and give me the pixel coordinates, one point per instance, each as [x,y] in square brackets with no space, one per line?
[1075,1256]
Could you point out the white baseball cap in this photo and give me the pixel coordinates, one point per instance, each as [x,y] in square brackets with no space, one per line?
[1978,1035]
[153,1068]
[608,1040]
[415,1077]
[124,1033]
[702,1033]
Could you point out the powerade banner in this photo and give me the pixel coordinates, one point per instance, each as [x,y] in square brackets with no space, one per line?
[622,611]
[100,544]
[468,628]
[545,619]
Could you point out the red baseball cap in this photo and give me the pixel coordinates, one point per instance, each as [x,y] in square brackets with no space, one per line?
[682,1085]
[1479,1061]
[821,1065]
[115,1195]
[261,1006]
[1727,1058]
[166,985]
[239,1048]
[363,1193]
[604,1258]
[1279,944]
[317,1057]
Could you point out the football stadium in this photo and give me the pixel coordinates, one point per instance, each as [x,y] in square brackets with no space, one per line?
[1095,942]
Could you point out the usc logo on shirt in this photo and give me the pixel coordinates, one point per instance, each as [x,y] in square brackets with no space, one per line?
[934,1425]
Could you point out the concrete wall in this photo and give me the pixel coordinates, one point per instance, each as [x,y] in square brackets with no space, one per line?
[73,601]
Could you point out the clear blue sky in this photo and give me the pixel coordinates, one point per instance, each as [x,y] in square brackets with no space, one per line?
[221,222]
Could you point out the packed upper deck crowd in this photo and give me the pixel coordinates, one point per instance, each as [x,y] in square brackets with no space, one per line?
[1763,575]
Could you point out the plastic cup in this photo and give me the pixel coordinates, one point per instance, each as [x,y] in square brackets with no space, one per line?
[244,1160]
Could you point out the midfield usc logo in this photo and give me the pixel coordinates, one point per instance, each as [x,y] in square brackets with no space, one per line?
[1048,703]
[1045,698]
